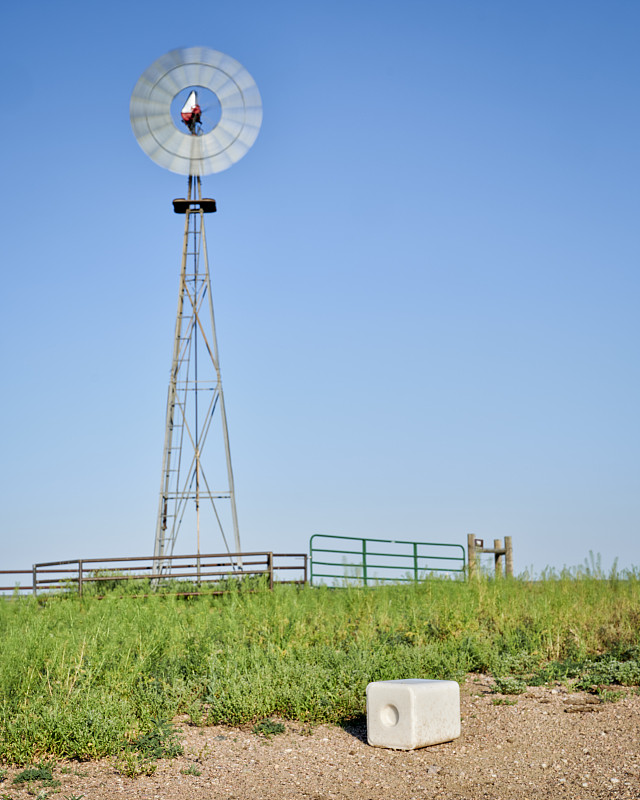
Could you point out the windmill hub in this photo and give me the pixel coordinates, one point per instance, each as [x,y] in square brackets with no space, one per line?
[208,102]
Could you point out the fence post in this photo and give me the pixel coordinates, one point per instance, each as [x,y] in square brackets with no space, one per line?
[508,556]
[80,578]
[270,567]
[471,553]
[35,580]
[364,560]
[498,557]
[415,562]
[305,569]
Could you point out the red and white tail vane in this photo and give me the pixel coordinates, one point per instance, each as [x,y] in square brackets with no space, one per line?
[191,112]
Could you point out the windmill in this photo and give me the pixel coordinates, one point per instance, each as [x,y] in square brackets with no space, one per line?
[180,132]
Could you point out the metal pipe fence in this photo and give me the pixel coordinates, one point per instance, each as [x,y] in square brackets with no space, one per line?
[16,587]
[193,574]
[338,559]
[362,561]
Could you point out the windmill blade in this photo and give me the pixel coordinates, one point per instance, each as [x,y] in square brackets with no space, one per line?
[177,150]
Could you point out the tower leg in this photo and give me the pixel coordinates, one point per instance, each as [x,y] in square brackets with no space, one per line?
[196,488]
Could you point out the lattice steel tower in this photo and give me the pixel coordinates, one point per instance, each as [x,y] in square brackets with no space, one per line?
[196,488]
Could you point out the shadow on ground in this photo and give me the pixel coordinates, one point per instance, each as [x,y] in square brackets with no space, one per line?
[356,727]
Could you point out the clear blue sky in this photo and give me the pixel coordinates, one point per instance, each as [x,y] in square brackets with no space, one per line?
[426,275]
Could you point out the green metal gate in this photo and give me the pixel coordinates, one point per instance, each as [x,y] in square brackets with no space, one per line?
[362,560]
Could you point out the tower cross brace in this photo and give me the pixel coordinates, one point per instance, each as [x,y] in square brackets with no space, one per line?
[189,487]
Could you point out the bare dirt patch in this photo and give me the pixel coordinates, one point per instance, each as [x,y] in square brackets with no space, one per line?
[548,743]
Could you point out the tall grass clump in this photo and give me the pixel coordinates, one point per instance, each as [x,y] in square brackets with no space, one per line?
[84,677]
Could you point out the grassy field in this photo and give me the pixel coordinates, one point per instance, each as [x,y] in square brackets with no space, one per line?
[83,678]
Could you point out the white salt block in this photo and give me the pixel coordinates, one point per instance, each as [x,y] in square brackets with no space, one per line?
[407,714]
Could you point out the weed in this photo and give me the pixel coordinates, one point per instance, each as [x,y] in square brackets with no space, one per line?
[53,784]
[30,775]
[132,764]
[510,685]
[160,741]
[609,695]
[191,770]
[608,670]
[268,728]
[39,780]
[73,796]
[203,753]
[42,774]
[503,701]
[196,713]
[38,793]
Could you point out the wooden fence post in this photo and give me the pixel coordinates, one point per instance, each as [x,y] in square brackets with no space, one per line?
[498,557]
[471,555]
[508,556]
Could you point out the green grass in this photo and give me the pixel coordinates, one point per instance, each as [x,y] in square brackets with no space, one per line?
[84,678]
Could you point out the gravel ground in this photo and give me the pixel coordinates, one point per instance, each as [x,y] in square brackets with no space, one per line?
[550,743]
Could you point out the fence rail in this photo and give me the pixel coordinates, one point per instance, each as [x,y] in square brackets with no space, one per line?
[204,573]
[403,561]
[16,586]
